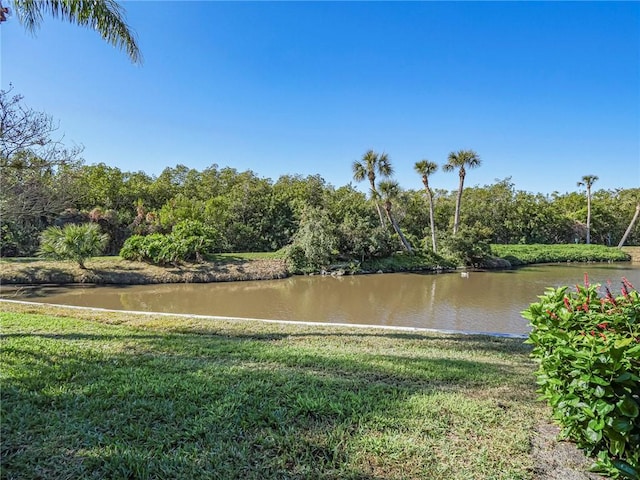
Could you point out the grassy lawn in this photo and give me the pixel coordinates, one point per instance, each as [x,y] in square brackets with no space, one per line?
[107,395]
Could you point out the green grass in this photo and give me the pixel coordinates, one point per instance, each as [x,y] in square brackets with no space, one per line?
[102,395]
[529,254]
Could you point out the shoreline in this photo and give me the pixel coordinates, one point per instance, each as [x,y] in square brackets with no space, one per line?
[36,306]
[116,271]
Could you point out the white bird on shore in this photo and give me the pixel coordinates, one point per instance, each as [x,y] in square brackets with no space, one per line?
[464,274]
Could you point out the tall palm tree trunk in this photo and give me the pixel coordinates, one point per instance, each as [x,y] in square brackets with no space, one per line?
[630,227]
[588,214]
[432,220]
[376,195]
[456,216]
[396,228]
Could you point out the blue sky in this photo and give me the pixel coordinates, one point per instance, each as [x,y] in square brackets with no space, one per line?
[544,92]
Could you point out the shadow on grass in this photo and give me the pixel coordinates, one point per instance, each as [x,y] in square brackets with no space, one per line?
[185,405]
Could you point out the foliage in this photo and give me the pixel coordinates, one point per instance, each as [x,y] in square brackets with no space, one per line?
[462,159]
[588,347]
[314,244]
[73,242]
[106,17]
[404,262]
[469,247]
[529,254]
[189,240]
[41,182]
[359,240]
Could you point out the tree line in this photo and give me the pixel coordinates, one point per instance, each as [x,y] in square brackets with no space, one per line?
[43,183]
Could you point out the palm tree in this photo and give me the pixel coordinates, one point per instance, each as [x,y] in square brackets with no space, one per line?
[104,16]
[73,242]
[371,164]
[587,181]
[390,191]
[462,159]
[426,168]
[630,227]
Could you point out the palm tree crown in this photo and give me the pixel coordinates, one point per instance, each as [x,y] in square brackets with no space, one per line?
[370,166]
[587,181]
[104,16]
[425,168]
[460,160]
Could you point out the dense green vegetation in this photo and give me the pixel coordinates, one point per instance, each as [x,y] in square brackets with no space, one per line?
[122,396]
[528,254]
[588,346]
[73,242]
[42,184]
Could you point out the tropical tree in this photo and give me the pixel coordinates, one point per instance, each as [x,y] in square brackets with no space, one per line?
[107,17]
[370,166]
[462,159]
[587,181]
[390,191]
[424,169]
[73,242]
[630,227]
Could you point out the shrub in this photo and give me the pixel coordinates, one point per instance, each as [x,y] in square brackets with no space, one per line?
[469,247]
[588,347]
[73,242]
[314,242]
[189,240]
[528,254]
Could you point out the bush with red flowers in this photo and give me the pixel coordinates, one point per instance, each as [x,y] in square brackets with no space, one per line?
[587,343]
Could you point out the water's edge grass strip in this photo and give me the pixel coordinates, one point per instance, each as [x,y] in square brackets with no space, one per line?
[276,321]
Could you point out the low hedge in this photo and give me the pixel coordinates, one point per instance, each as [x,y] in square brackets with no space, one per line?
[587,343]
[530,254]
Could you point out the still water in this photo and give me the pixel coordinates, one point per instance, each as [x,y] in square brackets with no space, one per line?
[481,302]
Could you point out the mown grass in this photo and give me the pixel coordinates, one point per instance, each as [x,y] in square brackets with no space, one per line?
[530,254]
[109,395]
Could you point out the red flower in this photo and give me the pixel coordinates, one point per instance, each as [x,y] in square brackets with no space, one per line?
[603,325]
[624,291]
[610,297]
[586,279]
[627,284]
[566,303]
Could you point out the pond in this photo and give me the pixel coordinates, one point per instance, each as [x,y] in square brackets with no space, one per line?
[480,302]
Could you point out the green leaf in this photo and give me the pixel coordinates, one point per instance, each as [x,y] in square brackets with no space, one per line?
[621,425]
[628,407]
[599,391]
[622,377]
[623,342]
[602,408]
[600,381]
[617,443]
[626,470]
[597,424]
[592,435]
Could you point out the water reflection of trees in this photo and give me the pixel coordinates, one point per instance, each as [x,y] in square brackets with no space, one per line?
[485,301]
